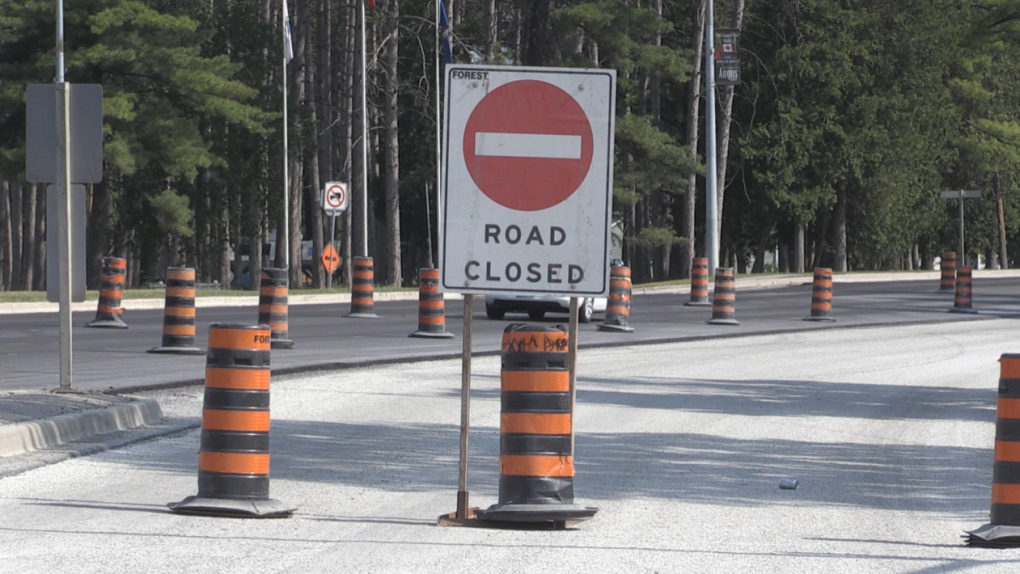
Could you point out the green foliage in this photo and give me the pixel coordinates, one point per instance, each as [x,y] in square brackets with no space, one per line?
[173,213]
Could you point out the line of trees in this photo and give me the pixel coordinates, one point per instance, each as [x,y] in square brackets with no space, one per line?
[850,118]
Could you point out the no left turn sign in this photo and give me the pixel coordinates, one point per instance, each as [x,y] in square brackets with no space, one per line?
[334,198]
[528,177]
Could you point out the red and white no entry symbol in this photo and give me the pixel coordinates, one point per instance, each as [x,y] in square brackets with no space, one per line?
[528,145]
[335,196]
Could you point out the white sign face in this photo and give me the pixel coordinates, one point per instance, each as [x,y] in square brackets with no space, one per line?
[334,198]
[528,177]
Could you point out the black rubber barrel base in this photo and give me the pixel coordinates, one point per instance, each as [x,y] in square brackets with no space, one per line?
[723,322]
[198,506]
[995,536]
[359,315]
[427,335]
[537,513]
[177,350]
[113,322]
[617,328]
[281,344]
[970,310]
[827,319]
[698,304]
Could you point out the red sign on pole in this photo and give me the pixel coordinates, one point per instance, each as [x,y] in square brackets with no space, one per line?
[528,145]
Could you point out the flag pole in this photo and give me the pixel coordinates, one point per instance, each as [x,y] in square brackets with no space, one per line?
[286,175]
[364,135]
[439,141]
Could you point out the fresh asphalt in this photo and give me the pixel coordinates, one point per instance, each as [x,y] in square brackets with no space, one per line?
[325,339]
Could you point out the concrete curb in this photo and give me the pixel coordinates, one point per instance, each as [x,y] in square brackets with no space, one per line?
[40,434]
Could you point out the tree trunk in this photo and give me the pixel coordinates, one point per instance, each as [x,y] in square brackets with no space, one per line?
[492,31]
[687,220]
[393,274]
[840,232]
[28,238]
[39,240]
[98,230]
[798,249]
[1002,223]
[724,123]
[538,40]
[323,116]
[822,230]
[17,237]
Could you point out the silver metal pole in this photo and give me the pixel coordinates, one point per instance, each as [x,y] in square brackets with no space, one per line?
[332,240]
[64,213]
[428,225]
[439,136]
[285,240]
[963,254]
[711,192]
[465,410]
[364,136]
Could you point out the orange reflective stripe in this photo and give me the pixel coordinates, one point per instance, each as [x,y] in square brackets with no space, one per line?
[233,462]
[180,330]
[534,423]
[437,304]
[535,381]
[246,339]
[241,421]
[1005,493]
[1007,451]
[521,465]
[432,320]
[115,278]
[361,301]
[278,327]
[243,379]
[1008,408]
[273,291]
[180,292]
[181,274]
[278,309]
[179,311]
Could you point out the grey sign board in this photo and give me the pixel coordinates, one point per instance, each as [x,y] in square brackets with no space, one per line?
[86,129]
[77,230]
[727,57]
[958,193]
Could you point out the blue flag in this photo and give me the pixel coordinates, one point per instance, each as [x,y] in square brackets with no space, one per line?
[444,33]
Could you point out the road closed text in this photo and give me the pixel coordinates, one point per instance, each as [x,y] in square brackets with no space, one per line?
[525,271]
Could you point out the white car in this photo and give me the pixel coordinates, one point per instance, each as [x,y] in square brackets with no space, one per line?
[536,306]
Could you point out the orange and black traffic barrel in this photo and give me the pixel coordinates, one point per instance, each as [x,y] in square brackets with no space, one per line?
[179,313]
[821,296]
[536,463]
[362,289]
[111,291]
[699,283]
[273,310]
[964,292]
[618,307]
[1003,529]
[233,461]
[431,307]
[948,267]
[724,309]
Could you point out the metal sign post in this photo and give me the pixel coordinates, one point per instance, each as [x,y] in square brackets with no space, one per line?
[334,202]
[960,195]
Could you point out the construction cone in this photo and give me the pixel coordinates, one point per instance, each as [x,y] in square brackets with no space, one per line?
[233,463]
[724,309]
[699,283]
[964,292]
[1003,529]
[431,308]
[363,289]
[948,267]
[179,313]
[618,307]
[536,462]
[821,296]
[273,306]
[111,291]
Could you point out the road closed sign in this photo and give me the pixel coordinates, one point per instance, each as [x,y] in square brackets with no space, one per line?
[528,177]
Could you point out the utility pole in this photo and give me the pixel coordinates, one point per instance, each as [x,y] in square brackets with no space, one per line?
[711,190]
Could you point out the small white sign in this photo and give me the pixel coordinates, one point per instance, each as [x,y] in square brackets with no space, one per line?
[334,198]
[528,177]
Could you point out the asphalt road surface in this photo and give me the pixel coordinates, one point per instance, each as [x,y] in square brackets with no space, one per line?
[889,432]
[324,339]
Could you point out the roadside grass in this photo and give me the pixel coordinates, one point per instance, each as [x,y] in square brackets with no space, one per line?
[40,296]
